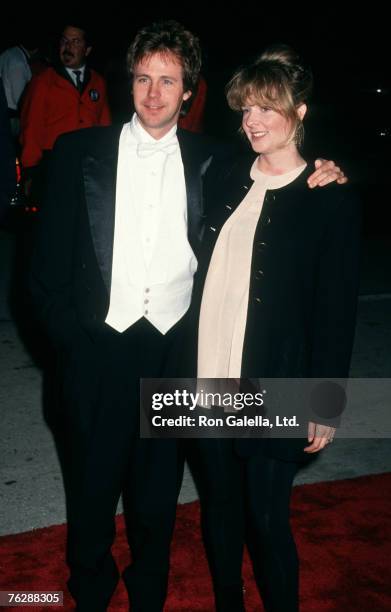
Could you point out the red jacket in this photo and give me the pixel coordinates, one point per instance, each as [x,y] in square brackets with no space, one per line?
[52,106]
[194,119]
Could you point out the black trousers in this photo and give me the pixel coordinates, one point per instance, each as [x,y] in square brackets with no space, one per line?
[104,456]
[247,500]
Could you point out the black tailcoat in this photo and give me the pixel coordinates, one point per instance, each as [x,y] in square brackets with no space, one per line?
[71,268]
[99,369]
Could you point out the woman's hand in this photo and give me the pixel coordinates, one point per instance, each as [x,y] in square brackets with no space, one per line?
[326,172]
[318,436]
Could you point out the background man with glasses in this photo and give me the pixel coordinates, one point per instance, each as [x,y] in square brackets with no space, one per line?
[66,97]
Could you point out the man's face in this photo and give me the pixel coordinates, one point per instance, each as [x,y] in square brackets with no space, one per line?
[73,48]
[158,92]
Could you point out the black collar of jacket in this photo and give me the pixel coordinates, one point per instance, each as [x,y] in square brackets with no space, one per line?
[62,72]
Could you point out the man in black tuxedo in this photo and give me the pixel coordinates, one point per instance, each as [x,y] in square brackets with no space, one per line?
[112,278]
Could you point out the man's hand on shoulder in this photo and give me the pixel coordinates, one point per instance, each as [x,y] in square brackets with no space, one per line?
[326,172]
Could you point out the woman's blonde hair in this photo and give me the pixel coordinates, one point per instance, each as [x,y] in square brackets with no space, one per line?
[276,79]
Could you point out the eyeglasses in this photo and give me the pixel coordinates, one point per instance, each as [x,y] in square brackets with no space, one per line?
[72,42]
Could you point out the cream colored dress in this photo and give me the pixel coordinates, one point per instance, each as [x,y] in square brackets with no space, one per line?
[225,298]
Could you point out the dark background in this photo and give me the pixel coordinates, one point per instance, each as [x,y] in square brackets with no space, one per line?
[348,120]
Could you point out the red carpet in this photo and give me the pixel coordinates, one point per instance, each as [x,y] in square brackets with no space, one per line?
[342,530]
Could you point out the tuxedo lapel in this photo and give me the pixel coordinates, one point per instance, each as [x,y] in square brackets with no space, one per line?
[196,157]
[99,174]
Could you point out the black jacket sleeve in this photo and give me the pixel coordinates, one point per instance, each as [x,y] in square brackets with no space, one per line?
[51,274]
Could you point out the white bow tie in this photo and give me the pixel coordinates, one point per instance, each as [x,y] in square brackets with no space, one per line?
[145,149]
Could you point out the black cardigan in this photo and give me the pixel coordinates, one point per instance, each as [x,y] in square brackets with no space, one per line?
[304,277]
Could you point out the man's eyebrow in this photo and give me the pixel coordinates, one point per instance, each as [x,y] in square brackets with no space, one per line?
[162,76]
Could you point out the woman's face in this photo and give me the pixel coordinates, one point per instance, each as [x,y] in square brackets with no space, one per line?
[267,130]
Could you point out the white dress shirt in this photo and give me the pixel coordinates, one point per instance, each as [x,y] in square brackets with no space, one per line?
[153,263]
[16,73]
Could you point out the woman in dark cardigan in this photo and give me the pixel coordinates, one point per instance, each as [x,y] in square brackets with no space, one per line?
[279,301]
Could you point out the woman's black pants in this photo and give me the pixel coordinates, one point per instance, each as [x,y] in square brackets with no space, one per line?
[247,500]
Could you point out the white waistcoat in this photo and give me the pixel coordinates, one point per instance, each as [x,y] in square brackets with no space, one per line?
[153,263]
